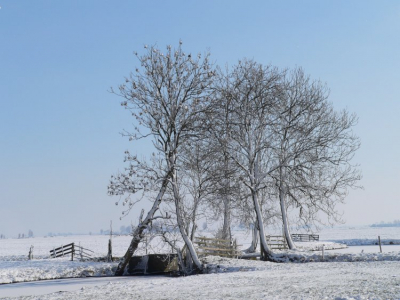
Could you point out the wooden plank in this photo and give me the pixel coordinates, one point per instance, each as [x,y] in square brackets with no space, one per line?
[214,245]
[211,239]
[62,247]
[276,242]
[214,249]
[60,254]
[79,247]
[84,253]
[225,254]
[220,247]
[213,242]
[305,237]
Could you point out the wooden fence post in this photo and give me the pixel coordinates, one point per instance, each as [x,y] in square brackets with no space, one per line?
[380,246]
[30,256]
[109,255]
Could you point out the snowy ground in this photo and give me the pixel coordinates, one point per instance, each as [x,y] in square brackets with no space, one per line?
[42,245]
[240,279]
[357,274]
[41,269]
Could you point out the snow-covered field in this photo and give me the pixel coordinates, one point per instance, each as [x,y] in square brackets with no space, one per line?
[43,245]
[241,279]
[358,274]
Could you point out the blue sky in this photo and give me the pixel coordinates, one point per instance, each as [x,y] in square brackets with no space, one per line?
[59,125]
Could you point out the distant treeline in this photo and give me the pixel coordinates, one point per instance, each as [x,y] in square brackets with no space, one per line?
[395,223]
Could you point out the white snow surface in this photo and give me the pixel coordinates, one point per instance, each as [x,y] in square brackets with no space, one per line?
[302,275]
[241,279]
[41,269]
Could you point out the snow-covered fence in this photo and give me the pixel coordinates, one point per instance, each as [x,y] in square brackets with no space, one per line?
[305,237]
[70,249]
[276,242]
[218,247]
[63,250]
[83,254]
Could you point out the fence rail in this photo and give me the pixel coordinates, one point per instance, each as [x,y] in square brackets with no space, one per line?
[63,250]
[71,249]
[276,242]
[305,237]
[218,247]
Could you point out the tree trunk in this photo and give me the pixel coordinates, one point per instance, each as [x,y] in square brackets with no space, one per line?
[138,233]
[254,240]
[266,253]
[286,230]
[282,198]
[188,242]
[226,228]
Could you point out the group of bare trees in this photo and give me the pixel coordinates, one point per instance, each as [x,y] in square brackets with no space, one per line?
[253,144]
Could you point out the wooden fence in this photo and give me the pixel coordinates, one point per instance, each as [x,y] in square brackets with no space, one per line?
[305,237]
[218,247]
[276,242]
[71,249]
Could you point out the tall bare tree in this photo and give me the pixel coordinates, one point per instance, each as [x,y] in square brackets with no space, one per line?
[198,178]
[251,90]
[224,172]
[314,149]
[166,96]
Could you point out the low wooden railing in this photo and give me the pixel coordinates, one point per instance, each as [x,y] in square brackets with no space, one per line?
[305,237]
[63,250]
[218,247]
[70,249]
[276,242]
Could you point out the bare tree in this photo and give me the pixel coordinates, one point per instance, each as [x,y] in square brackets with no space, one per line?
[223,174]
[166,97]
[314,147]
[197,176]
[251,90]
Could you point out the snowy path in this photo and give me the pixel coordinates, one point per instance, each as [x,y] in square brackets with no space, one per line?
[37,288]
[341,280]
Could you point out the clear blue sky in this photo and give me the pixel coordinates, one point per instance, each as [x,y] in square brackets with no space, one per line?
[59,127]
